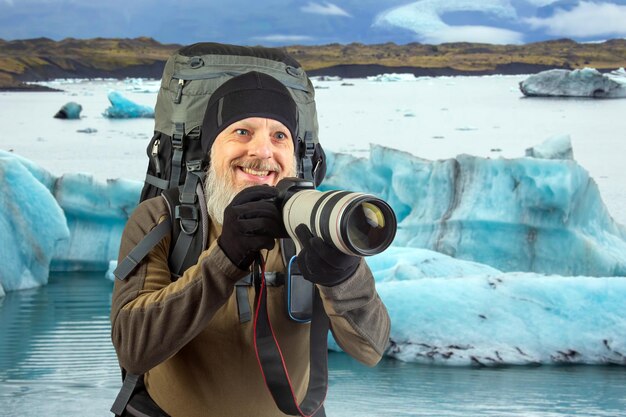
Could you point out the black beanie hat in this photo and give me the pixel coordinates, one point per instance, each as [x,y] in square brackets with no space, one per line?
[252,94]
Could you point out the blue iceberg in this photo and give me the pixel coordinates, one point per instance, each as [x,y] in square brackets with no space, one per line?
[96,213]
[586,82]
[123,108]
[62,223]
[69,110]
[524,214]
[32,224]
[514,318]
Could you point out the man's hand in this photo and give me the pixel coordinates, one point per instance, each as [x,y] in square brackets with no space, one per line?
[252,222]
[322,263]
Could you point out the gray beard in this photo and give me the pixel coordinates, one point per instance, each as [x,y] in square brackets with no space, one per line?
[219,191]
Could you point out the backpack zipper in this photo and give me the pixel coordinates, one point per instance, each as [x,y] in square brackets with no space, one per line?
[184,77]
[179,91]
[155,156]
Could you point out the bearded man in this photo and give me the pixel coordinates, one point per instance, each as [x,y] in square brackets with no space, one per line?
[186,336]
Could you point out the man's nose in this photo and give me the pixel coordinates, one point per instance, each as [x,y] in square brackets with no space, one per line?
[261,146]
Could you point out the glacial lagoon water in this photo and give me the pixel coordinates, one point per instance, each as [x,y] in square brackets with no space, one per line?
[55,352]
[56,359]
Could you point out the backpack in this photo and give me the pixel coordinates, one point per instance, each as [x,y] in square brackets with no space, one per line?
[176,170]
[190,76]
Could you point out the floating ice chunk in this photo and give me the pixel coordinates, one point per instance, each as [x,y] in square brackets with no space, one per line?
[32,224]
[109,274]
[618,75]
[451,312]
[63,224]
[403,263]
[558,147]
[87,130]
[140,85]
[587,82]
[123,108]
[326,78]
[393,77]
[69,110]
[515,318]
[525,214]
[96,215]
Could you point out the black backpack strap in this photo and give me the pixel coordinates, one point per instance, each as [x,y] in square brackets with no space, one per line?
[306,151]
[157,182]
[188,219]
[178,137]
[131,381]
[139,252]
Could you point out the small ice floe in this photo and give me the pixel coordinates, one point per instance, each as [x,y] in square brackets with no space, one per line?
[557,147]
[87,130]
[347,84]
[466,128]
[326,78]
[69,110]
[393,77]
[586,82]
[620,73]
[137,85]
[109,274]
[123,108]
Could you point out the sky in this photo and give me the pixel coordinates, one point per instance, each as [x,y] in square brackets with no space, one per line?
[316,22]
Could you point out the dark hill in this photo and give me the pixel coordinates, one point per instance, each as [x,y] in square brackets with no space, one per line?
[43,59]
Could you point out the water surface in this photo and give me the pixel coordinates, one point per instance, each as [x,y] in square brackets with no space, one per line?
[56,359]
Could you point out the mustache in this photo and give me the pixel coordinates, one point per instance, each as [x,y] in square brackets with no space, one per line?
[256,164]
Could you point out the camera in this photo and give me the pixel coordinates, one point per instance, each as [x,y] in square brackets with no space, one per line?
[355,223]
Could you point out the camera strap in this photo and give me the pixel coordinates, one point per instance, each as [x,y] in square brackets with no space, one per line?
[272,362]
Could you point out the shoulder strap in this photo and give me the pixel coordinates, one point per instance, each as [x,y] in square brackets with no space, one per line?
[139,252]
[189,222]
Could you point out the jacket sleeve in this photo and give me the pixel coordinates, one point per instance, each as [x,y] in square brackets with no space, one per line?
[358,318]
[151,316]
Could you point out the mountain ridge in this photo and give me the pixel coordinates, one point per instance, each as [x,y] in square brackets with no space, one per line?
[42,59]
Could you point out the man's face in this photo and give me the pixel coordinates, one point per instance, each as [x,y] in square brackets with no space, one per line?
[249,152]
[253,151]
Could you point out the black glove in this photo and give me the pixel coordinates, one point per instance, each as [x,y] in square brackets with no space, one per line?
[322,263]
[252,221]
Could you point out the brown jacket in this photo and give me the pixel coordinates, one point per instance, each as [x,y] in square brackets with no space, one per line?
[186,336]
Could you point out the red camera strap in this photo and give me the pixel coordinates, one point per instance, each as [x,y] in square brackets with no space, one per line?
[272,362]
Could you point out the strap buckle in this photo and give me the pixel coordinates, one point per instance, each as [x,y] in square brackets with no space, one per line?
[193,166]
[187,217]
[178,135]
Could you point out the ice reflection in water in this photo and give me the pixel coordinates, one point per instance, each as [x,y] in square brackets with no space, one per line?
[56,359]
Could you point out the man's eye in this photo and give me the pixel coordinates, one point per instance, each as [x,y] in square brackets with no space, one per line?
[242,132]
[280,135]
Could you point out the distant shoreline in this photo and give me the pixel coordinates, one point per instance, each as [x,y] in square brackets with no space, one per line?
[154,71]
[368,70]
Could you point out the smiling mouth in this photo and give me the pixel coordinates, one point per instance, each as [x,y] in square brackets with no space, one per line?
[255,172]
